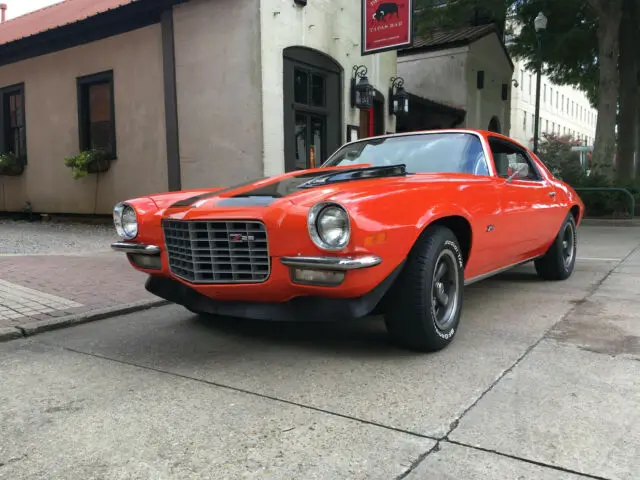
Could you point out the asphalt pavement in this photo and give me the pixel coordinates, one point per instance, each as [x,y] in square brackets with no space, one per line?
[540,383]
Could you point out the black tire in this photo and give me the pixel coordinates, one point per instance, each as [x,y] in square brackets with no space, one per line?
[560,259]
[410,317]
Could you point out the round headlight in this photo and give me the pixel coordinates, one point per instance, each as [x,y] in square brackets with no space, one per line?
[125,221]
[329,226]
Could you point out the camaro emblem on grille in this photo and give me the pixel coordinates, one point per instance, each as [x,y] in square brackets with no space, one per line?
[238,237]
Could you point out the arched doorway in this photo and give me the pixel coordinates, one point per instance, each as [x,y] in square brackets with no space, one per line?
[312,92]
[494,125]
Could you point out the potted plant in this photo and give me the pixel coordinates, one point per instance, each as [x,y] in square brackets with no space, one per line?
[10,164]
[87,161]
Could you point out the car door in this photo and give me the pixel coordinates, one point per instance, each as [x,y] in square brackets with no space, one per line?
[526,201]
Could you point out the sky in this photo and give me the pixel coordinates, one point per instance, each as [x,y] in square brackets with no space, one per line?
[20,7]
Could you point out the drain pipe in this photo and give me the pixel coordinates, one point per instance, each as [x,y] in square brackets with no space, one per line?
[3,9]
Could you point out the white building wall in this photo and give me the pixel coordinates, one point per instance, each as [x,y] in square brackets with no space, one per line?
[330,26]
[564,110]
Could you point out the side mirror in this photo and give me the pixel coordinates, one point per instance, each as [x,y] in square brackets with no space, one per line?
[522,170]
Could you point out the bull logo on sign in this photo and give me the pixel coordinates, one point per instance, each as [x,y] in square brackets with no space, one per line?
[385,10]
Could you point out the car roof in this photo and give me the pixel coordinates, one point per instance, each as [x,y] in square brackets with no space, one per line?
[484,133]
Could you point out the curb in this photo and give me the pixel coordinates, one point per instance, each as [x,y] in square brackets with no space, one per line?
[610,222]
[40,326]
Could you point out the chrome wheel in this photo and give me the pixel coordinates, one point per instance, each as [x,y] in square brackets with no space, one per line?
[444,290]
[568,245]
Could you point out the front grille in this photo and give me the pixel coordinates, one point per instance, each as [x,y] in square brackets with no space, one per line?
[217,251]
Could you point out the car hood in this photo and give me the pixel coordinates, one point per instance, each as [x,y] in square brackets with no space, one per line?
[306,187]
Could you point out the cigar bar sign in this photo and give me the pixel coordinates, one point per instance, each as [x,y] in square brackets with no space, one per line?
[386,25]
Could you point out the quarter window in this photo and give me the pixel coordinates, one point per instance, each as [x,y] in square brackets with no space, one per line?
[96,113]
[508,157]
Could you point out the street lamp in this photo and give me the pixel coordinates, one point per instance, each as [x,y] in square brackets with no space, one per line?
[540,24]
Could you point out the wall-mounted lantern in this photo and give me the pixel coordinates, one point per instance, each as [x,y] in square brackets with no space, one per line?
[398,100]
[362,92]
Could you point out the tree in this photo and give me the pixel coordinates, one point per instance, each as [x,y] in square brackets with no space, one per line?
[629,95]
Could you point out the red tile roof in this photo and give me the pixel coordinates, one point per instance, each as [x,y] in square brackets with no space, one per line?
[53,16]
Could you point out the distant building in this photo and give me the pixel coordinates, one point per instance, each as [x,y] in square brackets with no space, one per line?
[563,110]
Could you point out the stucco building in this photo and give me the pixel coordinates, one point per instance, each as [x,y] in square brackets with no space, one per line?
[180,94]
[458,78]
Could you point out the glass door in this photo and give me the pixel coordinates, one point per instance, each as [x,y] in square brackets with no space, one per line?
[310,133]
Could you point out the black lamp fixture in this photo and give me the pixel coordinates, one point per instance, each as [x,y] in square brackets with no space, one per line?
[362,92]
[398,101]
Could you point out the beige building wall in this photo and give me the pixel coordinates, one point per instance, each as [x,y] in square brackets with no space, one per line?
[51,115]
[486,54]
[331,27]
[219,83]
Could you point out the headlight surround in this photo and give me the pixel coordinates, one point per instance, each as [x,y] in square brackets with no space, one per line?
[329,226]
[125,221]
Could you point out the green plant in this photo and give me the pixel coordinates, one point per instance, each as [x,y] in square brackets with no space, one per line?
[555,152]
[85,162]
[8,159]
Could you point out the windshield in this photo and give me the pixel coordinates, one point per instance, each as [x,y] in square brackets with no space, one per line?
[422,153]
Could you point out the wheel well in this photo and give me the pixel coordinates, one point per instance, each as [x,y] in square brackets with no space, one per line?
[575,211]
[461,228]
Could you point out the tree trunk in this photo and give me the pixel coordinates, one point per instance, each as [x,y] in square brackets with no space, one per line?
[628,104]
[609,15]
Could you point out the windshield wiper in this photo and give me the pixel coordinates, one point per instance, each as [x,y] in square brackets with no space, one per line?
[356,174]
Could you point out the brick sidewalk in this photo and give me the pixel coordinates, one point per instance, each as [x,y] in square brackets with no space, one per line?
[37,291]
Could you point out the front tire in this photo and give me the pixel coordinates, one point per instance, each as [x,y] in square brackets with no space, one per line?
[425,303]
[560,259]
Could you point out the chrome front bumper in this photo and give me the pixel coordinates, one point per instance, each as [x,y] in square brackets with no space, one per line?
[139,248]
[332,263]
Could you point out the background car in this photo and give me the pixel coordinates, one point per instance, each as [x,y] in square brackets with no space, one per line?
[394,225]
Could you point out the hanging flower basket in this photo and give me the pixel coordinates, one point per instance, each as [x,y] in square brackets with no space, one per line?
[10,165]
[86,162]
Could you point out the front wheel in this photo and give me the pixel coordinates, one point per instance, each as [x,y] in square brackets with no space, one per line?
[560,259]
[425,303]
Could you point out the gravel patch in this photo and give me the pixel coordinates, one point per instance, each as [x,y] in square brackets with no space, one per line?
[26,238]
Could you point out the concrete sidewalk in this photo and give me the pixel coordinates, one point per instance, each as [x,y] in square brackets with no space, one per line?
[52,275]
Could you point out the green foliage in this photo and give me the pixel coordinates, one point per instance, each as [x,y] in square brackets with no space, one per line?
[569,45]
[555,152]
[8,159]
[82,163]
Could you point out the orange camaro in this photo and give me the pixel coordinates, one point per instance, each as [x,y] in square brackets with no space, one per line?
[395,225]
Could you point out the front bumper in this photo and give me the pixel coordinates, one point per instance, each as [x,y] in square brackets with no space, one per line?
[291,277]
[302,308]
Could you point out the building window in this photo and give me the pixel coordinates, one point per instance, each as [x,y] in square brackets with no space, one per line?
[530,83]
[521,80]
[557,100]
[13,135]
[562,105]
[96,113]
[524,122]
[544,94]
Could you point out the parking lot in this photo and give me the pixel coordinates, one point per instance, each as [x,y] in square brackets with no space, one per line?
[542,382]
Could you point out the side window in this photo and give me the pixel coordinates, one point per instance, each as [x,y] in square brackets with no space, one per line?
[96,113]
[509,158]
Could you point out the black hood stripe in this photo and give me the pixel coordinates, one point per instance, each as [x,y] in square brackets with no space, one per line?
[266,194]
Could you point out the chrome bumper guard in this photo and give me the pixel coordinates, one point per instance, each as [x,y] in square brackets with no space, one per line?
[332,263]
[139,248]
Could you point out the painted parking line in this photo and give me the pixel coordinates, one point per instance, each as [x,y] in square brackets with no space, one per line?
[596,259]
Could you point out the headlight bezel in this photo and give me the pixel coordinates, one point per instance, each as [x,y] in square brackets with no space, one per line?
[119,212]
[313,220]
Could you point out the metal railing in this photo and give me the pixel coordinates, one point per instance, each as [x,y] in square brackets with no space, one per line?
[632,200]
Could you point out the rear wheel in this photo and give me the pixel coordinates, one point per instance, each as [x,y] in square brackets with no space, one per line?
[560,259]
[425,303]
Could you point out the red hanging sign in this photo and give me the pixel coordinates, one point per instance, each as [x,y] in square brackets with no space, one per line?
[386,25]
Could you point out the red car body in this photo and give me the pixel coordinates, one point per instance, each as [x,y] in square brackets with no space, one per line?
[498,222]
